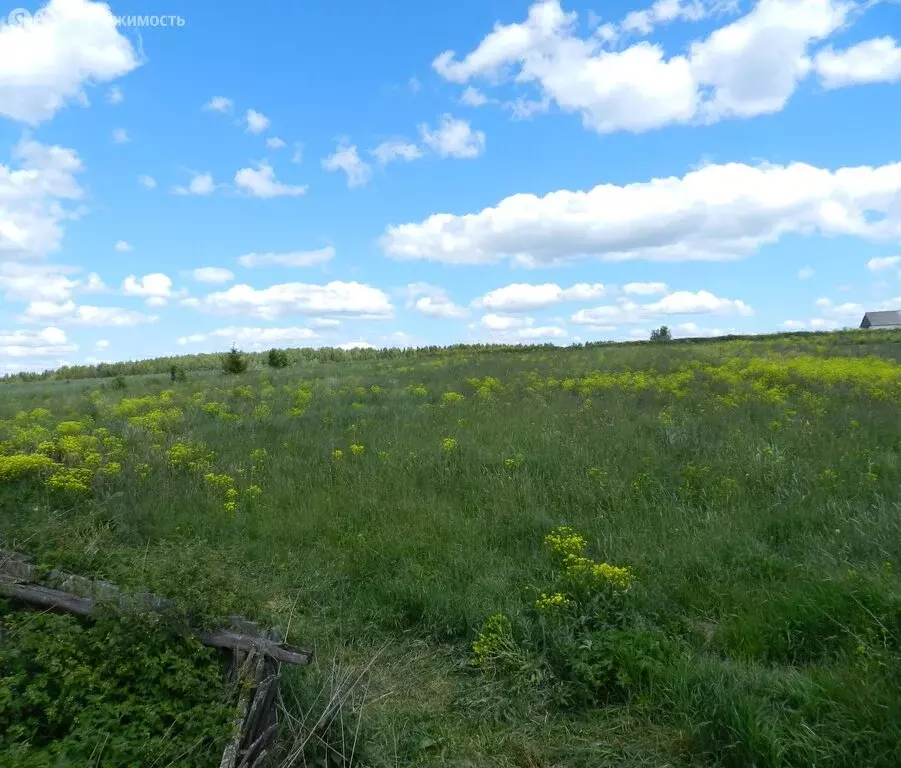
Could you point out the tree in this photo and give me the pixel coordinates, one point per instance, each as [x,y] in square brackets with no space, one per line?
[278,358]
[234,361]
[661,334]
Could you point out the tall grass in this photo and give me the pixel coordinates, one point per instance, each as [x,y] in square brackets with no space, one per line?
[752,486]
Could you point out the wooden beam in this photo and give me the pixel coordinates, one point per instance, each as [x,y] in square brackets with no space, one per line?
[16,573]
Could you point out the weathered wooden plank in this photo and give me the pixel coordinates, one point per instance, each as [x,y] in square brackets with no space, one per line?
[57,600]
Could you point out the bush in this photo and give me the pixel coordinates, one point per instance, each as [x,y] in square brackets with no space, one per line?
[278,358]
[661,334]
[118,382]
[234,362]
[147,696]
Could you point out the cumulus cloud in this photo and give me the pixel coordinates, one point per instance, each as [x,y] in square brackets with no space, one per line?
[293,259]
[389,151]
[715,213]
[872,61]
[643,22]
[46,64]
[519,297]
[360,344]
[261,182]
[147,181]
[254,337]
[120,136]
[645,289]
[200,184]
[212,275]
[433,301]
[748,67]
[101,344]
[155,288]
[805,273]
[473,97]
[345,158]
[69,313]
[123,246]
[511,328]
[883,263]
[335,298]
[50,341]
[33,198]
[219,104]
[256,122]
[676,303]
[453,138]
[115,95]
[274,142]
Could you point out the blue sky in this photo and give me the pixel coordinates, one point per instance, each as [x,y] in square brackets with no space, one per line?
[349,173]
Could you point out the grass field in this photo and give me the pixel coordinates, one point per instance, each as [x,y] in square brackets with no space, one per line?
[726,593]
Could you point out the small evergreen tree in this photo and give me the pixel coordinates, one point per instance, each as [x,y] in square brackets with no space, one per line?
[234,362]
[661,334]
[278,358]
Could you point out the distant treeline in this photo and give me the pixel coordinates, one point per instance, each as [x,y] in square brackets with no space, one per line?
[311,356]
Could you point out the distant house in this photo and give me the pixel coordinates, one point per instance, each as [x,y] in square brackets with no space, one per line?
[890,319]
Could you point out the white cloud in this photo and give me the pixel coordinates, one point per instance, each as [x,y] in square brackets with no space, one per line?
[495,322]
[45,65]
[518,329]
[101,344]
[872,61]
[693,330]
[348,345]
[200,184]
[147,181]
[297,157]
[805,273]
[274,142]
[325,322]
[345,158]
[845,309]
[212,275]
[261,182]
[48,342]
[31,282]
[518,297]
[293,259]
[120,136]
[748,67]
[414,85]
[219,104]
[676,303]
[387,151]
[335,298]
[715,213]
[794,325]
[254,337]
[155,288]
[32,197]
[643,21]
[453,138]
[94,284]
[123,246]
[70,314]
[645,289]
[433,301]
[473,97]
[114,95]
[256,122]
[882,263]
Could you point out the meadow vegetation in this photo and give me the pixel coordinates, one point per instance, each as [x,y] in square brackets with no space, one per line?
[625,555]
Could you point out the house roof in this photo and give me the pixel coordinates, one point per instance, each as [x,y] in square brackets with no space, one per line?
[891,317]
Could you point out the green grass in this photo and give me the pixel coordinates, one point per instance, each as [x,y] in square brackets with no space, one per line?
[753,487]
